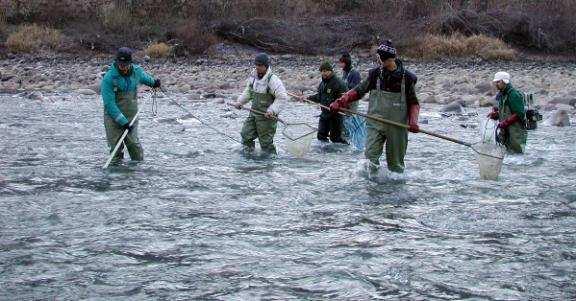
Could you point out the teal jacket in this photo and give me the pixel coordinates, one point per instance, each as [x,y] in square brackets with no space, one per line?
[124,84]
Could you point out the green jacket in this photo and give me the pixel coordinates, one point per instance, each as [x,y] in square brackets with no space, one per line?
[511,100]
[114,82]
[329,91]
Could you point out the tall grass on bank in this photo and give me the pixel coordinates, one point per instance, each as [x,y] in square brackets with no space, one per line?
[432,46]
[116,16]
[28,38]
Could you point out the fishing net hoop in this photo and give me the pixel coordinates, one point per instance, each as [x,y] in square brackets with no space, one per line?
[298,144]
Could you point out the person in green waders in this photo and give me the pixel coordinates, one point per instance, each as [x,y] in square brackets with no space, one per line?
[510,113]
[330,89]
[119,94]
[392,97]
[266,92]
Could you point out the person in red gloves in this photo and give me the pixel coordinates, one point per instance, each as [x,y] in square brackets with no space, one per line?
[392,97]
[510,113]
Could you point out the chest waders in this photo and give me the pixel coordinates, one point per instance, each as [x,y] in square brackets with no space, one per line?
[329,123]
[391,106]
[127,102]
[516,134]
[257,126]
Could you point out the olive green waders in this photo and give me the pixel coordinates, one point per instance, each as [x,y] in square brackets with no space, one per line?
[514,137]
[391,106]
[259,127]
[128,104]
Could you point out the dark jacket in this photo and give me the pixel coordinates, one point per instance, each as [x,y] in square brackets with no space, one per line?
[328,91]
[352,78]
[390,81]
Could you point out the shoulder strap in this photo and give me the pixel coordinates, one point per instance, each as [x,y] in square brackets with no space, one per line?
[403,87]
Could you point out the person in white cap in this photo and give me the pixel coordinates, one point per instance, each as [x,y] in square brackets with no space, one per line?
[510,113]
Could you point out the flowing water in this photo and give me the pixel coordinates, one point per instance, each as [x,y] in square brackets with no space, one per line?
[196,220]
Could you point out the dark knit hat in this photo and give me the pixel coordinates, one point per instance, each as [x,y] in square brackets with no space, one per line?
[124,56]
[386,50]
[346,58]
[326,66]
[262,59]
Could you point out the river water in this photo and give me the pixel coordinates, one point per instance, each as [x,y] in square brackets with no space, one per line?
[196,220]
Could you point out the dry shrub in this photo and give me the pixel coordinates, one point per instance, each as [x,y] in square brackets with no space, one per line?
[195,38]
[457,45]
[32,37]
[116,17]
[3,23]
[158,50]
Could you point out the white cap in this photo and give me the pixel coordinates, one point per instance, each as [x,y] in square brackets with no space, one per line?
[502,76]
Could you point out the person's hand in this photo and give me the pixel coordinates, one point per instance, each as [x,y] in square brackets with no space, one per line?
[335,106]
[270,115]
[156,84]
[127,127]
[414,128]
[494,115]
[504,124]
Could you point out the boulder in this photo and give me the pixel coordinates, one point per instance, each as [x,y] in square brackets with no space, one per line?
[86,91]
[560,118]
[483,87]
[453,107]
[428,98]
[34,95]
[485,102]
[563,100]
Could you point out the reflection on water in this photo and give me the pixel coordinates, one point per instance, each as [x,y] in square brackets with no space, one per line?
[197,220]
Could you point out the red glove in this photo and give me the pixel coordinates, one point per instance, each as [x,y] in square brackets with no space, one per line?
[413,113]
[344,101]
[504,124]
[494,114]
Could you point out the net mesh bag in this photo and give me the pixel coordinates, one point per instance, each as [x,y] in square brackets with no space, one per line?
[300,138]
[490,153]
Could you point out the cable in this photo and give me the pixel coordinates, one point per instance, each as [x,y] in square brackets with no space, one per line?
[201,121]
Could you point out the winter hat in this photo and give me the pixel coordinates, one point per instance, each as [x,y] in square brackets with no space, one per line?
[346,58]
[386,50]
[124,56]
[262,59]
[502,76]
[326,66]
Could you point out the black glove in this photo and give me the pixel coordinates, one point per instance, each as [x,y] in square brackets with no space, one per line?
[126,127]
[156,83]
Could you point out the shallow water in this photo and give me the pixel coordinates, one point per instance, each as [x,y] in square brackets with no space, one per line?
[196,220]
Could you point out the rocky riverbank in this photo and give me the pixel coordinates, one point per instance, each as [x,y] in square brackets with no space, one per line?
[452,86]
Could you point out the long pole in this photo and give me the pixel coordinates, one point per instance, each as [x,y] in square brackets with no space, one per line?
[390,122]
[120,141]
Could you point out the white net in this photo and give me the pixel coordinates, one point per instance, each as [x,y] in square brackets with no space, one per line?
[300,138]
[490,157]
[490,153]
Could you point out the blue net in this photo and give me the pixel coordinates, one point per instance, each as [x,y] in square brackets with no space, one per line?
[355,127]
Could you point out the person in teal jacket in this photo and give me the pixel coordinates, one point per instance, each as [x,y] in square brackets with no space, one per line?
[119,93]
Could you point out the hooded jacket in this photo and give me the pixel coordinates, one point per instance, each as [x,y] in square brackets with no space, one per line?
[269,83]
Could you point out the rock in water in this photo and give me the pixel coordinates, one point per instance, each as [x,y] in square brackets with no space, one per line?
[560,118]
[486,102]
[455,107]
[86,92]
